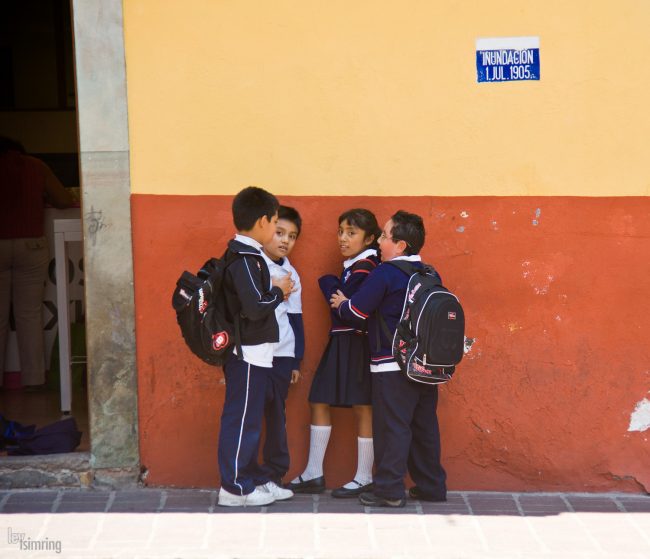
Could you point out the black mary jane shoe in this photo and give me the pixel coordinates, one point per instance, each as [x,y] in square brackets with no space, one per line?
[369,499]
[416,493]
[313,486]
[345,493]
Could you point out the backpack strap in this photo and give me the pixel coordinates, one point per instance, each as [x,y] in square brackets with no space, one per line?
[405,266]
[384,329]
[409,269]
[229,257]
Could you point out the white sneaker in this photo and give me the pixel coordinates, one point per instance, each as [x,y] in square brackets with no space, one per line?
[259,497]
[279,493]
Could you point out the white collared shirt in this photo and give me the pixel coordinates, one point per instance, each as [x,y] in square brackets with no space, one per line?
[260,355]
[365,254]
[286,347]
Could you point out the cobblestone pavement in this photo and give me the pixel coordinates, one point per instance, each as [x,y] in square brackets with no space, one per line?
[184,523]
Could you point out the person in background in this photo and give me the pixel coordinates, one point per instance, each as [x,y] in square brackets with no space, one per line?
[26,183]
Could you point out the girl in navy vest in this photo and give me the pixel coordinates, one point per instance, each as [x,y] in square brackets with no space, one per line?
[343,377]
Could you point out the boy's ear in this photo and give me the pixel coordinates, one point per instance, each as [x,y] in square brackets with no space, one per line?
[402,246]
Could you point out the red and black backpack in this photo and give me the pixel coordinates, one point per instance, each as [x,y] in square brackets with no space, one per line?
[200,305]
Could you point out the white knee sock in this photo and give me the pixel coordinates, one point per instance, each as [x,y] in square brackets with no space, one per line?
[319,437]
[366,456]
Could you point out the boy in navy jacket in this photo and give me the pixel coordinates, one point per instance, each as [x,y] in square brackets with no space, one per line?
[251,299]
[405,425]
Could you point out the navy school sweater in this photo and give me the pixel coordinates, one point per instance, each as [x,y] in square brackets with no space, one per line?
[357,271]
[383,293]
[247,282]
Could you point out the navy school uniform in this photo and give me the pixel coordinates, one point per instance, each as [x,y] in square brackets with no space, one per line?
[287,355]
[248,283]
[406,435]
[342,377]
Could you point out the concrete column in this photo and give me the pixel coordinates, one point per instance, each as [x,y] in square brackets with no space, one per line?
[105,181]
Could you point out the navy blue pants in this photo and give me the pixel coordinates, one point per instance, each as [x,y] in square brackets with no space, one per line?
[406,436]
[241,426]
[276,449]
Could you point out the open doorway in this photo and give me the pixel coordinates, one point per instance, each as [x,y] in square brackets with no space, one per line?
[38,110]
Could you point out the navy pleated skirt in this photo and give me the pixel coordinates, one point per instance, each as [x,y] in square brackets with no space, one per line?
[343,375]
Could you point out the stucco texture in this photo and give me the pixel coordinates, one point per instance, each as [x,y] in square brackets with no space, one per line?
[555,293]
[360,97]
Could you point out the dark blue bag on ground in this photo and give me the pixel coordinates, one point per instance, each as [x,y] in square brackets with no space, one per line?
[60,436]
[11,430]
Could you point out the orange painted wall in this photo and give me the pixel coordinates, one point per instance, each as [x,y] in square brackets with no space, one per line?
[555,291]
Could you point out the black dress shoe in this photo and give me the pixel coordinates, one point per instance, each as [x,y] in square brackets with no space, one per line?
[369,499]
[416,493]
[314,486]
[345,493]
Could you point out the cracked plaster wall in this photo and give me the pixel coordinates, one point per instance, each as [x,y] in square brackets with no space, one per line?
[543,400]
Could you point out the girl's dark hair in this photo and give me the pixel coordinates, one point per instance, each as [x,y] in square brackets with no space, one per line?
[292,215]
[409,228]
[364,220]
[7,144]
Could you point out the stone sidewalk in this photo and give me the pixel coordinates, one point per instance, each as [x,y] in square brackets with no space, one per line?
[173,523]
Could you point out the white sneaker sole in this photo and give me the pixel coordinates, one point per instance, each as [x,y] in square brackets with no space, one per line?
[230,500]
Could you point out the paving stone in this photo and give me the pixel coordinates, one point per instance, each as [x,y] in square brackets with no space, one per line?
[138,495]
[448,510]
[408,509]
[341,528]
[564,534]
[341,506]
[190,500]
[32,496]
[584,504]
[538,505]
[81,507]
[636,505]
[31,508]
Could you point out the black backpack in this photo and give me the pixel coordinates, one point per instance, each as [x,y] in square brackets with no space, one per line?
[430,338]
[200,305]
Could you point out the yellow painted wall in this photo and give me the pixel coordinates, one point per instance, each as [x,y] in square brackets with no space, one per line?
[380,98]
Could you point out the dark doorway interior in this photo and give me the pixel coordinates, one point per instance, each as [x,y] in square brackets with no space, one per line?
[38,109]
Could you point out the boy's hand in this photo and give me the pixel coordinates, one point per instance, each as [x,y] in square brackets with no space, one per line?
[285,283]
[337,299]
[295,376]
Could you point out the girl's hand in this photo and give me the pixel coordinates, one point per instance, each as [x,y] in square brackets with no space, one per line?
[337,299]
[295,376]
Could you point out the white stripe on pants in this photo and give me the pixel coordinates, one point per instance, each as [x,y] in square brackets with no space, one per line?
[23,271]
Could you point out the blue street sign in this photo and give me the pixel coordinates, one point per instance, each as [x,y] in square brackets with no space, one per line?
[506,59]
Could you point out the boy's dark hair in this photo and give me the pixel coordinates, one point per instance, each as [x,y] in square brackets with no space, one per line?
[364,220]
[410,229]
[251,204]
[292,215]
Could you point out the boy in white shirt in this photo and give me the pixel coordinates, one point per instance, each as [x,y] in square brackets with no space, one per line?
[288,352]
